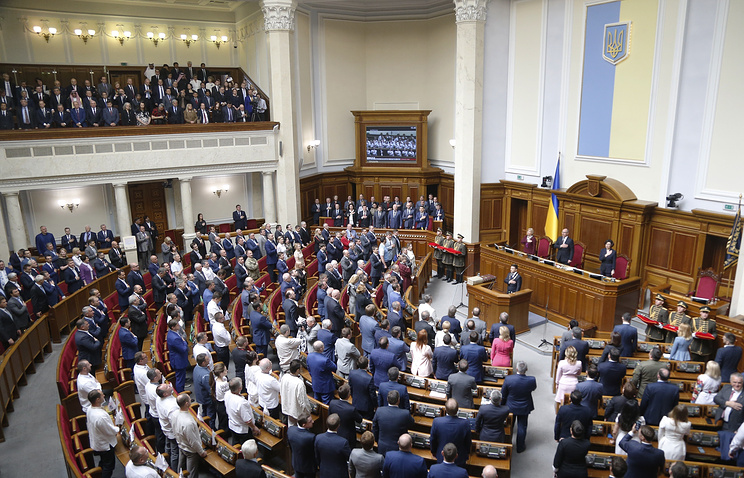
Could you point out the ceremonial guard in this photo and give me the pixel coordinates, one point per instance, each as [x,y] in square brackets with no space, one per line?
[702,349]
[448,258]
[678,318]
[655,333]
[459,259]
[439,254]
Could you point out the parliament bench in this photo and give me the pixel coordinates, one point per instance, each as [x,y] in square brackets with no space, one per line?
[598,464]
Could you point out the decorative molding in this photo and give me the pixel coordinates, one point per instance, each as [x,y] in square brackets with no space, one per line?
[279,14]
[470,10]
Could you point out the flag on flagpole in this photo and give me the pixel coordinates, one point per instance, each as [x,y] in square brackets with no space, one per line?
[551,222]
[734,241]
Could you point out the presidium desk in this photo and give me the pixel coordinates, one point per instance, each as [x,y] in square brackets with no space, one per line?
[558,294]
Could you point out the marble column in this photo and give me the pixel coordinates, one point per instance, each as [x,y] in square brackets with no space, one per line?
[187,211]
[18,236]
[279,23]
[470,16]
[269,204]
[123,213]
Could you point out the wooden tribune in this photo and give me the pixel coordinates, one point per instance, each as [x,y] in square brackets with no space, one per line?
[492,303]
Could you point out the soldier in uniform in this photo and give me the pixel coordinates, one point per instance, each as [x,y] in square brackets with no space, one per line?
[448,258]
[702,350]
[251,266]
[678,318]
[439,254]
[460,259]
[658,313]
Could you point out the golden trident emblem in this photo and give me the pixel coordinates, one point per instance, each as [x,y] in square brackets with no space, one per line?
[615,42]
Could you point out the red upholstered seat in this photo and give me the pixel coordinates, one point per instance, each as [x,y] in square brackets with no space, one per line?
[251,224]
[578,257]
[290,263]
[225,227]
[345,299]
[232,283]
[186,260]
[430,225]
[312,268]
[328,221]
[262,264]
[62,287]
[30,307]
[308,250]
[112,302]
[707,285]
[621,266]
[311,299]
[146,277]
[379,295]
[543,247]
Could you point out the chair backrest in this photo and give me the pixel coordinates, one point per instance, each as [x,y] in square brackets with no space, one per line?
[543,247]
[578,257]
[430,225]
[707,285]
[329,221]
[225,227]
[252,224]
[621,266]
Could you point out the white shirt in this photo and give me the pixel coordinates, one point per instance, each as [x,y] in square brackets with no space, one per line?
[727,410]
[101,429]
[85,385]
[186,431]
[140,378]
[221,387]
[294,396]
[737,442]
[268,391]
[287,349]
[212,308]
[439,338]
[167,406]
[152,398]
[202,349]
[208,273]
[3,278]
[141,471]
[176,267]
[221,336]
[427,308]
[239,413]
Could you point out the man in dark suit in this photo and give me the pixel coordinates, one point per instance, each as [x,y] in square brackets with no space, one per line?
[363,392]
[389,423]
[174,112]
[347,413]
[513,281]
[565,246]
[135,277]
[123,290]
[104,237]
[94,114]
[444,359]
[460,386]
[516,393]
[380,361]
[335,313]
[101,265]
[728,356]
[39,301]
[302,443]
[247,467]
[321,371]
[6,117]
[581,346]
[591,390]
[392,384]
[158,288]
[9,332]
[659,398]
[475,355]
[332,450]
[568,413]
[644,461]
[628,336]
[489,422]
[451,429]
[291,313]
[402,463]
[611,374]
[72,278]
[730,401]
[448,468]
[89,347]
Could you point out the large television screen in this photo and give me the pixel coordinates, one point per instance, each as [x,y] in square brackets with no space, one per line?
[391,144]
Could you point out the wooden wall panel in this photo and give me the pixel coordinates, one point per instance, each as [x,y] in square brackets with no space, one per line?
[539,214]
[683,253]
[594,233]
[625,243]
[660,245]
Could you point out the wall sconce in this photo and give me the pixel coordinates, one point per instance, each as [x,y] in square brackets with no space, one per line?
[46,35]
[69,205]
[188,41]
[313,144]
[155,39]
[121,37]
[218,41]
[219,192]
[452,143]
[85,36]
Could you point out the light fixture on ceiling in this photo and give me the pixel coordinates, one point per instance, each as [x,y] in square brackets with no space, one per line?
[69,205]
[224,189]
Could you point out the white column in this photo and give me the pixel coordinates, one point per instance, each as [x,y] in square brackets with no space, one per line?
[279,23]
[256,195]
[470,16]
[123,213]
[269,206]
[187,211]
[4,244]
[737,296]
[18,235]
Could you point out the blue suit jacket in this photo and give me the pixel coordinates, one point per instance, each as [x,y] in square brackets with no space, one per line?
[388,425]
[658,400]
[451,430]
[386,387]
[629,338]
[332,453]
[447,470]
[516,393]
[403,464]
[399,349]
[349,416]
[129,344]
[443,362]
[644,461]
[475,355]
[728,358]
[566,416]
[380,361]
[271,256]
[363,393]
[101,238]
[591,392]
[302,443]
[611,376]
[178,350]
[321,369]
[88,348]
[367,327]
[329,344]
[260,328]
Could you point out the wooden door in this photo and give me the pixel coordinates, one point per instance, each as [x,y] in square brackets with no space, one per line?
[148,199]
[517,221]
[121,77]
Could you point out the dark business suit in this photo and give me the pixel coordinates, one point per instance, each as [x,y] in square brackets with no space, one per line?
[611,376]
[490,422]
[658,400]
[73,284]
[380,361]
[349,417]
[39,301]
[728,358]
[248,469]
[591,394]
[517,286]
[135,278]
[516,393]
[89,348]
[570,458]
[336,315]
[403,464]
[388,425]
[447,470]
[475,355]
[566,416]
[564,255]
[387,387]
[17,307]
[644,461]
[443,361]
[363,393]
[332,452]
[451,430]
[302,444]
[629,338]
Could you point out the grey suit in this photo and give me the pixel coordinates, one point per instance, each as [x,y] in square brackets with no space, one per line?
[365,464]
[460,386]
[346,354]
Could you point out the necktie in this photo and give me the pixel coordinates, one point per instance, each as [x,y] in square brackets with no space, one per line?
[25,115]
[161,91]
[94,111]
[174,109]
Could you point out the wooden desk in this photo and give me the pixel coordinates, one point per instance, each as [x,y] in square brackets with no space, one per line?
[562,295]
[492,303]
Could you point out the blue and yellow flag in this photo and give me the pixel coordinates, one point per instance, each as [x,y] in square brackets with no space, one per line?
[734,241]
[551,222]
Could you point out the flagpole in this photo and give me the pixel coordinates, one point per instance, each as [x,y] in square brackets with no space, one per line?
[730,287]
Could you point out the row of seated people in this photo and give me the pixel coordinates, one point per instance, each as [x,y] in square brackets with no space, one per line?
[385,214]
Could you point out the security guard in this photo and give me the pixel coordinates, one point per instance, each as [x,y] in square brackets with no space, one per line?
[448,259]
[439,254]
[658,313]
[702,350]
[460,259]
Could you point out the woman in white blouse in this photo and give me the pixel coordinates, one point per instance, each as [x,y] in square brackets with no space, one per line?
[221,385]
[708,384]
[672,431]
[421,355]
